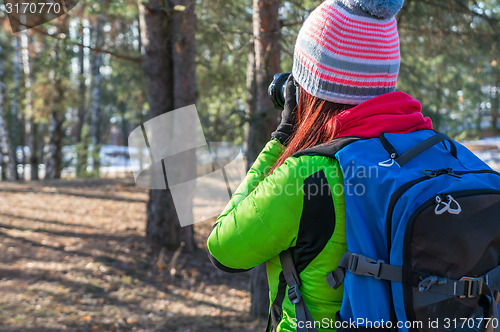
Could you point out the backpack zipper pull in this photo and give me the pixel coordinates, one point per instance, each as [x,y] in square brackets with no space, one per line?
[457,209]
[451,172]
[441,171]
[390,162]
[439,210]
[429,173]
[428,282]
[450,205]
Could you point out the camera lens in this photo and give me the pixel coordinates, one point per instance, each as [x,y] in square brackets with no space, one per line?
[277,89]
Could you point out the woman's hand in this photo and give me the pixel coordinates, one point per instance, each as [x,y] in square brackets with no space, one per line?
[289,114]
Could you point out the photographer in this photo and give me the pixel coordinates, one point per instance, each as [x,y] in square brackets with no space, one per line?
[346,63]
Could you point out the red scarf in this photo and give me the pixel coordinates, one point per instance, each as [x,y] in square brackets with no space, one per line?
[394,112]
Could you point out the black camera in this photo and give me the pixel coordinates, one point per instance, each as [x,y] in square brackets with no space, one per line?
[277,89]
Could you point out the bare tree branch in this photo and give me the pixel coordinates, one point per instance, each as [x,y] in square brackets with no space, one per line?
[74,43]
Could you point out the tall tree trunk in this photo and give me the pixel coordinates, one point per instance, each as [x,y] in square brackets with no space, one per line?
[31,127]
[495,105]
[266,34]
[250,104]
[157,32]
[56,130]
[6,152]
[95,93]
[162,227]
[35,148]
[125,131]
[23,158]
[15,130]
[21,137]
[81,147]
[82,86]
[263,120]
[139,30]
[55,157]
[184,75]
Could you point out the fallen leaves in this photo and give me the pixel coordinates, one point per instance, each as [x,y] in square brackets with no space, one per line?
[75,259]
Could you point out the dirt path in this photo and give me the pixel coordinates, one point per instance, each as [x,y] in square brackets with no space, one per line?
[73,258]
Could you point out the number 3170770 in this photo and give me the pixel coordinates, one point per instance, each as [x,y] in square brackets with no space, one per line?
[33,8]
[464,323]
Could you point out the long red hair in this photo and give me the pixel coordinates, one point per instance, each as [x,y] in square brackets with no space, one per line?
[316,124]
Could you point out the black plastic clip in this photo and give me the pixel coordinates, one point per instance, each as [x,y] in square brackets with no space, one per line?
[294,294]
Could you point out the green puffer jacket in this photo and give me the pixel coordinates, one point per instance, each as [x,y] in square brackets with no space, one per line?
[299,206]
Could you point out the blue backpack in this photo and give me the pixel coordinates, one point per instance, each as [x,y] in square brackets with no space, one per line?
[423,234]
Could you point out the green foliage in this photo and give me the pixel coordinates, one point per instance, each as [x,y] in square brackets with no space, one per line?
[447,51]
[223,41]
[224,37]
[449,60]
[292,15]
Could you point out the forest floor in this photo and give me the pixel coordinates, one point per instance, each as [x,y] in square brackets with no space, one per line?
[73,258]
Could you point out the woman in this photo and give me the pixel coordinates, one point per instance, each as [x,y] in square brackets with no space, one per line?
[346,64]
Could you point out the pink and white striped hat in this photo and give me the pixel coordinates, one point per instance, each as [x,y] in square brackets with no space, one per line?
[348,50]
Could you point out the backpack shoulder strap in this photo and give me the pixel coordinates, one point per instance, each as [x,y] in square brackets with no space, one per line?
[302,313]
[329,149]
[416,150]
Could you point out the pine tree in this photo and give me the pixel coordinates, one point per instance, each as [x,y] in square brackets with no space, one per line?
[59,105]
[7,161]
[263,118]
[166,90]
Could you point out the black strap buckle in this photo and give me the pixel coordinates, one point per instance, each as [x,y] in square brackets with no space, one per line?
[336,278]
[294,294]
[362,265]
[472,287]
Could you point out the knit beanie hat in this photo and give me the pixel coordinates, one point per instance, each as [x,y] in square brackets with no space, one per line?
[347,51]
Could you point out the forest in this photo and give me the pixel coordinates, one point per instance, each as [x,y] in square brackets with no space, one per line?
[81,246]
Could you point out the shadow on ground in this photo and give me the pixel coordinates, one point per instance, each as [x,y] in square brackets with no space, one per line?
[73,258]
